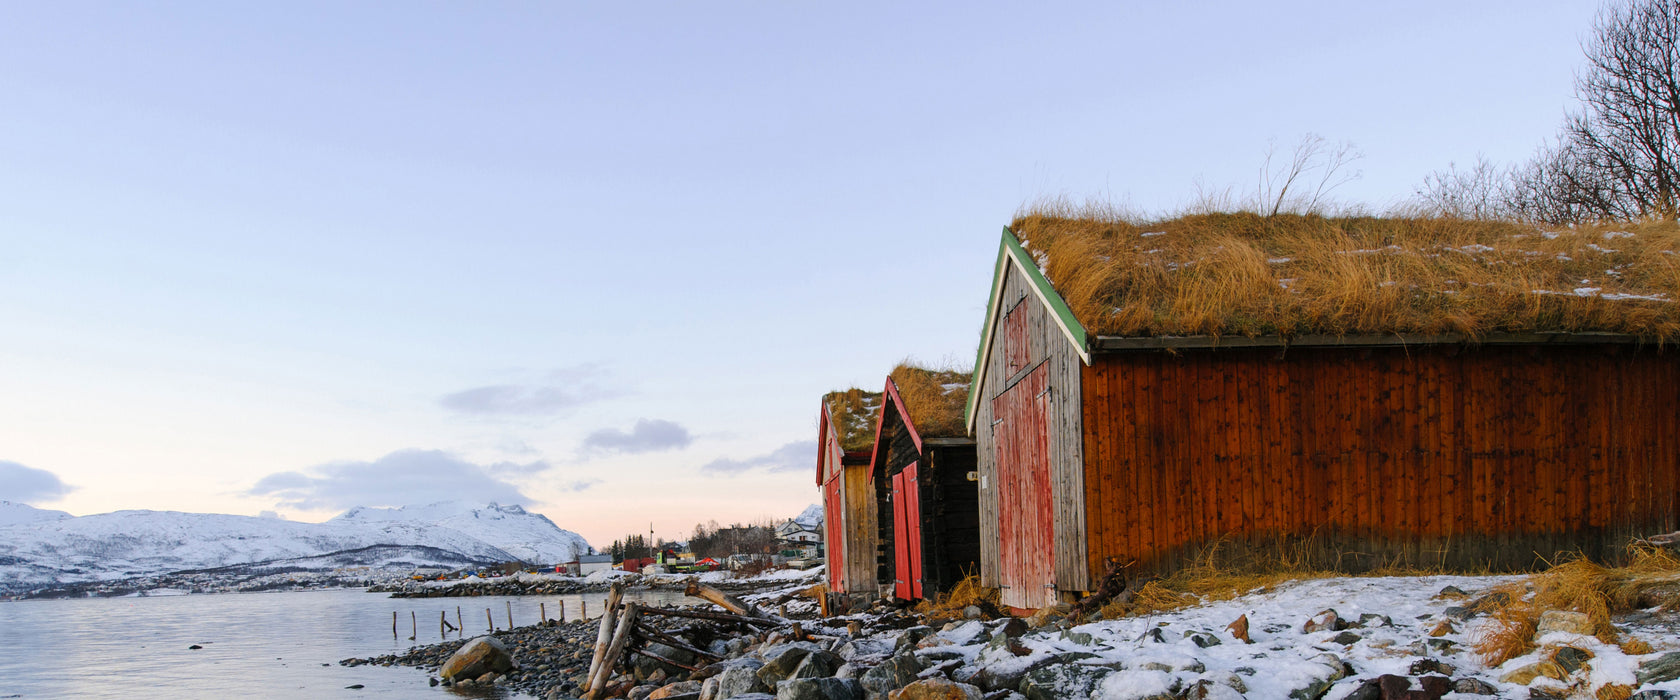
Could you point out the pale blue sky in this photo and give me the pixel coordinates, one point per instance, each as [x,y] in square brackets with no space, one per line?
[318,246]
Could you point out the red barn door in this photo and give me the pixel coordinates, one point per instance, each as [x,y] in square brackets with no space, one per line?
[1026,518]
[907,535]
[835,547]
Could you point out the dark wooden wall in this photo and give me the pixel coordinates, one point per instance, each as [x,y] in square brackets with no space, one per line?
[1047,344]
[1471,458]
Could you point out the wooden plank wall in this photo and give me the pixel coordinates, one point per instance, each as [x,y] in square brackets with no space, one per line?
[1047,344]
[862,548]
[1467,459]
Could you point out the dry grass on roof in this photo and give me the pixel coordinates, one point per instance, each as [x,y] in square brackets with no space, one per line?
[1252,275]
[935,398]
[853,412]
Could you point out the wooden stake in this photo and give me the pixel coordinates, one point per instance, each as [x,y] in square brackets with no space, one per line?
[585,613]
[510,613]
[605,635]
[562,609]
[443,624]
[489,620]
[542,609]
[393,624]
[460,627]
[414,625]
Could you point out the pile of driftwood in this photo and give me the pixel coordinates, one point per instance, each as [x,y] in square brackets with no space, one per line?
[628,629]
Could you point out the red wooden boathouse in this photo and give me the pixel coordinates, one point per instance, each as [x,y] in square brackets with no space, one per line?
[1462,443]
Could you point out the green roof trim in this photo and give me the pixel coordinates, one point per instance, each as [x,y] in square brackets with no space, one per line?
[1010,250]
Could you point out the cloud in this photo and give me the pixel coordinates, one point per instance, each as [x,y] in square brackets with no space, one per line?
[561,391]
[579,485]
[21,484]
[404,477]
[792,457]
[647,436]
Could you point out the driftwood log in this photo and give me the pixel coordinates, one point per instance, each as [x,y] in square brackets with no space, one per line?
[722,600]
[626,627]
[604,637]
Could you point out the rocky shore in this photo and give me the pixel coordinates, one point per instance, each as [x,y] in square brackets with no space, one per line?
[1404,637]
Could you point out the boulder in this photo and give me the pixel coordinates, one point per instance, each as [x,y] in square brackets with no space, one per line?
[1137,684]
[819,689]
[477,657]
[1564,621]
[1324,620]
[1009,627]
[1048,614]
[645,668]
[892,674]
[780,662]
[818,664]
[1474,686]
[676,690]
[1333,669]
[1064,680]
[1239,629]
[641,692]
[1659,669]
[936,689]
[1205,689]
[733,682]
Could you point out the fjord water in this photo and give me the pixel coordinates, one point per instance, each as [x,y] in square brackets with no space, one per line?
[268,645]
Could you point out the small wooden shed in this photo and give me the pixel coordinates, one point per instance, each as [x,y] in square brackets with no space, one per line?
[1347,393]
[923,462]
[845,432]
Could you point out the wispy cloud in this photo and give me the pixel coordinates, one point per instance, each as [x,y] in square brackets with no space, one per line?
[404,477]
[21,484]
[561,391]
[578,485]
[648,435]
[794,456]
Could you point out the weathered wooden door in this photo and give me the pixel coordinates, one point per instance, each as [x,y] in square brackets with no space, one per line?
[835,547]
[1026,518]
[907,535]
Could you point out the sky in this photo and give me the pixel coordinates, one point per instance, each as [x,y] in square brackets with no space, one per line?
[602,259]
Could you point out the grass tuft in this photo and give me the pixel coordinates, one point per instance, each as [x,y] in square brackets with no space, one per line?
[853,412]
[1652,578]
[967,592]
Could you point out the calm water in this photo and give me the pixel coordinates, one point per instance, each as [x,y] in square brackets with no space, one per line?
[263,645]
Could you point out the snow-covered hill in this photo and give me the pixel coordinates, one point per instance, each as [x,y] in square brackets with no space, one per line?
[18,513]
[40,549]
[529,536]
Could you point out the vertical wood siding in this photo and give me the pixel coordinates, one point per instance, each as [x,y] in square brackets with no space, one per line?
[1436,456]
[862,547]
[1047,345]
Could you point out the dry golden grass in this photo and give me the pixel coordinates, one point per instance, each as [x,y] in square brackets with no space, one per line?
[967,592]
[1207,579]
[935,398]
[1612,691]
[1579,585]
[1246,274]
[853,412]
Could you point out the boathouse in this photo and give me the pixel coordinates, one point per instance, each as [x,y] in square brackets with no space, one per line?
[1341,393]
[923,467]
[845,432]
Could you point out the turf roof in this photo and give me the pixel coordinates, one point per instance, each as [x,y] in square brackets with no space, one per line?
[1289,275]
[935,399]
[853,412]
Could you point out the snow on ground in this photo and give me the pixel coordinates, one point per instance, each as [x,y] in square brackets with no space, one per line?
[1142,657]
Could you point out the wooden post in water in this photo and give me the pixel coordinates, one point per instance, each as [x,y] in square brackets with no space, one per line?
[443,624]
[562,609]
[460,627]
[510,614]
[414,625]
[585,613]
[393,624]
[489,620]
[542,609]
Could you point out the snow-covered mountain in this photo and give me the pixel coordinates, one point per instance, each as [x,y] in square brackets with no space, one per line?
[41,549]
[812,516]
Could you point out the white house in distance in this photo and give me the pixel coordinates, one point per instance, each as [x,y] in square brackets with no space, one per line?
[587,564]
[802,537]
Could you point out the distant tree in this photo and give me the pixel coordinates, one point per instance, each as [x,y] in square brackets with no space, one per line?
[1619,157]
